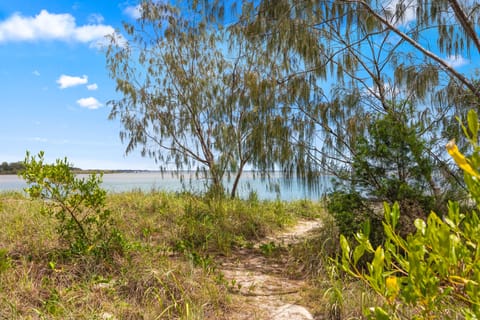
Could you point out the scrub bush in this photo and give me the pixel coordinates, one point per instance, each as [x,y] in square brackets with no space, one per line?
[78,204]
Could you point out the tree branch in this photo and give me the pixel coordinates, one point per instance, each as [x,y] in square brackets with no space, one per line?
[444,64]
[466,24]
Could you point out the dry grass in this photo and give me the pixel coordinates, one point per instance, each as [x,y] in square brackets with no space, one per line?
[168,270]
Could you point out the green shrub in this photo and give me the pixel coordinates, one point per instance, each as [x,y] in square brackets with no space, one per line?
[391,162]
[433,273]
[77,204]
[348,210]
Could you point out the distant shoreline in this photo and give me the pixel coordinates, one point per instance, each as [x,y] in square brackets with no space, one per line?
[113,171]
[90,171]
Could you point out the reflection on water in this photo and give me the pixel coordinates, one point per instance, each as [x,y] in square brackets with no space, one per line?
[278,187]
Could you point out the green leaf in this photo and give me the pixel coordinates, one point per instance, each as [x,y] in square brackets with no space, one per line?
[387,212]
[472,119]
[346,259]
[420,225]
[395,214]
[358,253]
[381,314]
[454,241]
[344,245]
[366,228]
[377,265]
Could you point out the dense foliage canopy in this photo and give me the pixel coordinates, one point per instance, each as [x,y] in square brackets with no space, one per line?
[199,97]
[296,85]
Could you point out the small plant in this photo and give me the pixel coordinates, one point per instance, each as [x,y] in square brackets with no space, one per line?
[78,205]
[52,305]
[268,248]
[5,262]
[433,273]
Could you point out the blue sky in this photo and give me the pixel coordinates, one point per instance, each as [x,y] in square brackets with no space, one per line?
[55,84]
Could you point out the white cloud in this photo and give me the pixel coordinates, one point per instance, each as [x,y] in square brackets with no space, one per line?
[95,18]
[89,103]
[51,26]
[92,87]
[91,33]
[456,61]
[68,81]
[36,73]
[134,12]
[409,14]
[38,139]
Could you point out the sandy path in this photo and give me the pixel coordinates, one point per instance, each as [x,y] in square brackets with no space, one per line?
[260,287]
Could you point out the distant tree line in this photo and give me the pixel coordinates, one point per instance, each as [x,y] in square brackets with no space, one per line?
[11,168]
[19,166]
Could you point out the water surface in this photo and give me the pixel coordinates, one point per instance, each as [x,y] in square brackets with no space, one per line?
[278,187]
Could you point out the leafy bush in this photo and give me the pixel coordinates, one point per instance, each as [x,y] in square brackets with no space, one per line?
[351,213]
[391,162]
[348,210]
[434,272]
[84,223]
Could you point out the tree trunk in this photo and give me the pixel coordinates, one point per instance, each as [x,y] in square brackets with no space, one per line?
[237,180]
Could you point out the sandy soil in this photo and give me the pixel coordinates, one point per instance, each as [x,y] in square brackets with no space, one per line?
[261,290]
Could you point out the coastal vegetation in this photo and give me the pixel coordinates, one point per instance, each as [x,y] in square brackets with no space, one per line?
[69,250]
[15,168]
[347,88]
[166,264]
[351,88]
[434,271]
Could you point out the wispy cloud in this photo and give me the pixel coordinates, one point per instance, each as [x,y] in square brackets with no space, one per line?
[134,12]
[68,81]
[456,61]
[92,87]
[95,18]
[89,103]
[36,73]
[51,26]
[39,139]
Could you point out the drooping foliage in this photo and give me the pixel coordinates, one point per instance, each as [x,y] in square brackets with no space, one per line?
[326,67]
[390,164]
[369,53]
[360,62]
[195,95]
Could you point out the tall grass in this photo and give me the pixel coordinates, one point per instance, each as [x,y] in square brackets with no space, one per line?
[168,270]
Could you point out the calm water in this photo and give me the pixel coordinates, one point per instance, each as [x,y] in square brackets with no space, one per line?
[148,181]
